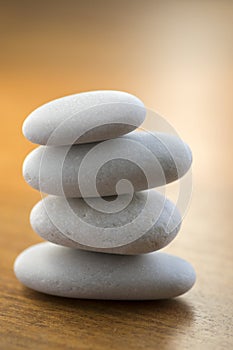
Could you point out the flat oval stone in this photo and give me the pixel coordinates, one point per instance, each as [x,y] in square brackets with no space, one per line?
[143,160]
[74,273]
[84,117]
[55,221]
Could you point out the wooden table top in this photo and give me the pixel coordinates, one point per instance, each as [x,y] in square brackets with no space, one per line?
[177,57]
[200,319]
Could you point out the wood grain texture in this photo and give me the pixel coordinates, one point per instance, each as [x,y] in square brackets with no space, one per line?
[201,319]
[177,57]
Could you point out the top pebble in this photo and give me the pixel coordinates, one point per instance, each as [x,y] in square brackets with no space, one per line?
[83,118]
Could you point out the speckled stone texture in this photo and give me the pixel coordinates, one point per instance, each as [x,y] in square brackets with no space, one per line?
[85,117]
[102,215]
[157,159]
[54,221]
[74,273]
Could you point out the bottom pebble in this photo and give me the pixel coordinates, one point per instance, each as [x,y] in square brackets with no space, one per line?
[73,273]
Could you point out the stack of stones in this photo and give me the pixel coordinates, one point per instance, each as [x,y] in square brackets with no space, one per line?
[102,216]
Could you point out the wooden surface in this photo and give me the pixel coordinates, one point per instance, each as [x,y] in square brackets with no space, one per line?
[177,57]
[198,320]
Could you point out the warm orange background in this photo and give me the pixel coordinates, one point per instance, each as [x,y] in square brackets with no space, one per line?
[177,56]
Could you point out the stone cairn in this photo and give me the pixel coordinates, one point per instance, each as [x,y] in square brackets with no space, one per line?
[102,216]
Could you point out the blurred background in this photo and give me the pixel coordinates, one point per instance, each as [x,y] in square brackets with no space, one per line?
[175,55]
